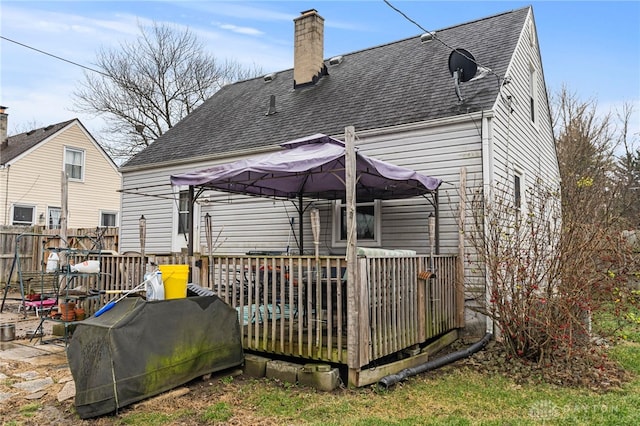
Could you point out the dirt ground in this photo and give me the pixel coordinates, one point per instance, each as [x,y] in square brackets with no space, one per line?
[36,385]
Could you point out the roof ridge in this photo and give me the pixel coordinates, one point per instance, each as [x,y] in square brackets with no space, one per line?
[434,31]
[45,128]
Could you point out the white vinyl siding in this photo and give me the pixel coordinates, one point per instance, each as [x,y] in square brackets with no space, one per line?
[246,223]
[519,143]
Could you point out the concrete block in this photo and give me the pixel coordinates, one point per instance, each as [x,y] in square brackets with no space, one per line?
[320,376]
[255,366]
[283,371]
[57,329]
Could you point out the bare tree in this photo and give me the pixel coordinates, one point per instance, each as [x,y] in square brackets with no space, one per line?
[145,87]
[560,258]
[25,127]
[628,171]
[585,144]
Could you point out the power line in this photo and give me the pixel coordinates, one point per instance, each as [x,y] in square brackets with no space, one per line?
[56,57]
[433,36]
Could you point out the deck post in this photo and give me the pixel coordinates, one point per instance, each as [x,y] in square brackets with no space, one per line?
[353,297]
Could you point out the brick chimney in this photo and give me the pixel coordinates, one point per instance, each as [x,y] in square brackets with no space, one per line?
[308,51]
[3,124]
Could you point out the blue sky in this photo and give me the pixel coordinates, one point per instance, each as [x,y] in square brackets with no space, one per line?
[592,47]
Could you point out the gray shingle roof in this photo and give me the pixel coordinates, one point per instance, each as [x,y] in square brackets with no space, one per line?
[397,83]
[23,142]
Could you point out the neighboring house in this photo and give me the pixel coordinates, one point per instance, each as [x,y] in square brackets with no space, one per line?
[406,109]
[31,166]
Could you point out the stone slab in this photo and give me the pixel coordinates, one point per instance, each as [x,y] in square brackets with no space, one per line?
[33,386]
[255,365]
[283,371]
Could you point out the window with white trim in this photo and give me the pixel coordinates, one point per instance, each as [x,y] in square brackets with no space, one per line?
[368,224]
[517,191]
[108,219]
[183,213]
[23,215]
[533,85]
[54,214]
[74,163]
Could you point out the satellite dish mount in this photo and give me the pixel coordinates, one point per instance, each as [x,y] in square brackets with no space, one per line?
[463,67]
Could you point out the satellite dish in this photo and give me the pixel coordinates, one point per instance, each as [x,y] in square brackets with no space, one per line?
[463,67]
[462,61]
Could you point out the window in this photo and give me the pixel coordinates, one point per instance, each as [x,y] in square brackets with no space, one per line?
[532,92]
[74,163]
[54,214]
[23,215]
[108,219]
[367,224]
[183,213]
[517,191]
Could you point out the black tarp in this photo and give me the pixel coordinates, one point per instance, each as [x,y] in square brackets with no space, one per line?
[139,349]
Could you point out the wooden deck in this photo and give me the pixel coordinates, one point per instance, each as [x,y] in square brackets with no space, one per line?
[297,306]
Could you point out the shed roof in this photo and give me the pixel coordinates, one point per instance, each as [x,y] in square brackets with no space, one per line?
[403,82]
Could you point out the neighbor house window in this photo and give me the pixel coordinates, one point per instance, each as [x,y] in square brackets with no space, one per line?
[54,214]
[74,163]
[367,223]
[23,215]
[183,213]
[108,219]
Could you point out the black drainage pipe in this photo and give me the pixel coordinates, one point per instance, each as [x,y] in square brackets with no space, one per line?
[390,380]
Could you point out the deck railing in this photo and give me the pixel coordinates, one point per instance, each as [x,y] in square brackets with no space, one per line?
[297,305]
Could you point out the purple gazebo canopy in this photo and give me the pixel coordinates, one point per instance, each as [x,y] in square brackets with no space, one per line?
[311,167]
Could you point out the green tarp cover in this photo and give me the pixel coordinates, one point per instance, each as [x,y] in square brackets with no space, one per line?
[139,349]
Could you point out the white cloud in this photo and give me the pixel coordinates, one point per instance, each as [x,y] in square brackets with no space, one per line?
[238,10]
[240,30]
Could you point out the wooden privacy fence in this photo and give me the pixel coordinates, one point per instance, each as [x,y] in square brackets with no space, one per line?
[34,240]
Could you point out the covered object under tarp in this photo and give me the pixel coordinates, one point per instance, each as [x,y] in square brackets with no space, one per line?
[139,349]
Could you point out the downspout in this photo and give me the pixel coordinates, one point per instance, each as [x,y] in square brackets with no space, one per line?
[6,196]
[487,179]
[388,381]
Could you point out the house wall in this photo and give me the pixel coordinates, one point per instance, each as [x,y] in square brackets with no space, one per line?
[519,143]
[513,143]
[243,224]
[35,179]
[489,144]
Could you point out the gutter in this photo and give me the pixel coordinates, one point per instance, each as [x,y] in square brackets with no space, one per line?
[487,179]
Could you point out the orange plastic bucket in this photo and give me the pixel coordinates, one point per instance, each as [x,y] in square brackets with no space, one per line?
[174,279]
